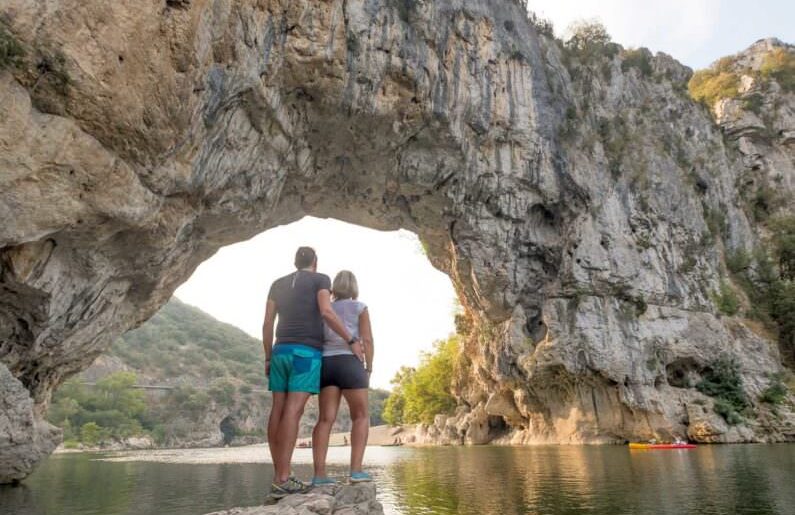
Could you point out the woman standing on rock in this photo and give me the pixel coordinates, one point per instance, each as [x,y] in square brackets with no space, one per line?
[344,375]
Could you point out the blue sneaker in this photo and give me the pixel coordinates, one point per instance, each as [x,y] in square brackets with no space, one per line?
[360,477]
[323,481]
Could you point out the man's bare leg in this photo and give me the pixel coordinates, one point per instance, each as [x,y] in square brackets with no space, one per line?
[277,407]
[288,433]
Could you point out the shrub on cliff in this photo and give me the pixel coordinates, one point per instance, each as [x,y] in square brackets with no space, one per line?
[715,83]
[769,281]
[726,300]
[779,64]
[638,58]
[776,392]
[723,382]
[11,52]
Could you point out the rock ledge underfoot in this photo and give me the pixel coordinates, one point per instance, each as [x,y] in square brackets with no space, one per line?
[327,500]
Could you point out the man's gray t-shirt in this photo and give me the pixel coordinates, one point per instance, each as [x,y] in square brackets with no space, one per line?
[348,311]
[295,296]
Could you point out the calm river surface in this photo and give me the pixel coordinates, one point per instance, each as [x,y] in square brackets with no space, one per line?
[753,479]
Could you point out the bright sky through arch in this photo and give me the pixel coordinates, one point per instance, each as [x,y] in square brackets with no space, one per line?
[411,303]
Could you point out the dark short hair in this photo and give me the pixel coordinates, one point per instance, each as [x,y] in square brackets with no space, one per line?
[305,257]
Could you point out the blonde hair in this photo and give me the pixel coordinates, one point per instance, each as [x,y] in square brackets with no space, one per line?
[345,286]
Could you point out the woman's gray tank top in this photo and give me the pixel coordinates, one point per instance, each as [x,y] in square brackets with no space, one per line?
[348,311]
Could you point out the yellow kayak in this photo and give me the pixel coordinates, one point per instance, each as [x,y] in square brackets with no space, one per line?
[662,446]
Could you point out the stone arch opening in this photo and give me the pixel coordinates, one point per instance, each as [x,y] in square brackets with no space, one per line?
[412,304]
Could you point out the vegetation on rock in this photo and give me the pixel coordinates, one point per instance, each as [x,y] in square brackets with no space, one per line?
[776,392]
[722,381]
[11,52]
[421,393]
[638,58]
[589,39]
[722,79]
[768,279]
[715,83]
[779,64]
[726,300]
[182,341]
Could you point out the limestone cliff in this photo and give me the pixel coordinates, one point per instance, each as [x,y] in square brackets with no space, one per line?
[568,201]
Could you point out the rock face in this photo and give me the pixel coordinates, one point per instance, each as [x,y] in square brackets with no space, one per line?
[327,500]
[24,437]
[567,202]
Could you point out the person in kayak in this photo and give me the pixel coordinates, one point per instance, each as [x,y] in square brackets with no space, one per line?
[302,302]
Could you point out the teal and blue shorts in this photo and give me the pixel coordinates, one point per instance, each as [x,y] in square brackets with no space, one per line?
[295,368]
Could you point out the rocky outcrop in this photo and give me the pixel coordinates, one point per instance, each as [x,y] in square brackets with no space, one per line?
[24,437]
[327,500]
[567,201]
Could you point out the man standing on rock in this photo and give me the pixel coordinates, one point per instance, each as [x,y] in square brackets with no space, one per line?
[302,301]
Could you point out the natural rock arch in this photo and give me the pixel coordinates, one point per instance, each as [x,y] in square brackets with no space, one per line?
[137,142]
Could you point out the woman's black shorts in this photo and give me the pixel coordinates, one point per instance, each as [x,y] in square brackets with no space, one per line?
[344,371]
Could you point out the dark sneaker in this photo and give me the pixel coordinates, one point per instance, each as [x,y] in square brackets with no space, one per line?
[289,487]
[360,477]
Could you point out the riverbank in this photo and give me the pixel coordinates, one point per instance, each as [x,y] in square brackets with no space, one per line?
[379,435]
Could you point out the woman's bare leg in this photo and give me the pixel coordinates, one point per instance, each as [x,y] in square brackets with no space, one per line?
[328,404]
[360,419]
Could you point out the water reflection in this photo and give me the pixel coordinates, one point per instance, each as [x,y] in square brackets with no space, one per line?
[752,479]
[603,480]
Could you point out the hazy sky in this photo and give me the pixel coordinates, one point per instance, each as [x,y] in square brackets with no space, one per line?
[695,32]
[411,303]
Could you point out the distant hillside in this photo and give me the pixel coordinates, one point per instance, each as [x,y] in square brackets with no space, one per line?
[214,387]
[183,344]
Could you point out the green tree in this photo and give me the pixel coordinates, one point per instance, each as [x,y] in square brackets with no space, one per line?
[376,401]
[91,433]
[422,393]
[396,402]
[588,35]
[116,392]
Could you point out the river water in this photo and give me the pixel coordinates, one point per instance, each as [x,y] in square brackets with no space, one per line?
[752,479]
